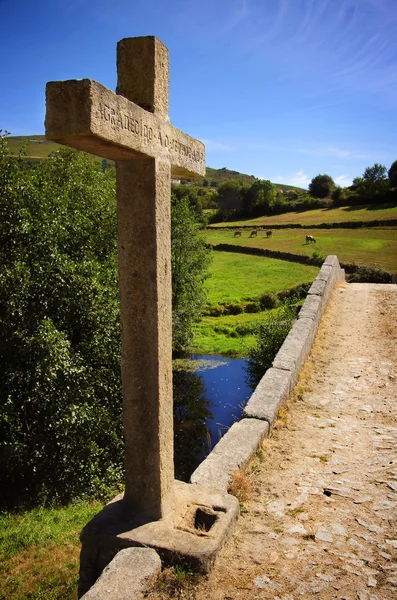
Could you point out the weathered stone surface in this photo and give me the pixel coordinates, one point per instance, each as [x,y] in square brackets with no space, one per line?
[296,347]
[318,287]
[234,450]
[144,73]
[325,272]
[128,576]
[271,392]
[88,116]
[144,251]
[201,522]
[311,309]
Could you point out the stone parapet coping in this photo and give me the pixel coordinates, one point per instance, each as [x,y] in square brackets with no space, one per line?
[128,576]
[241,441]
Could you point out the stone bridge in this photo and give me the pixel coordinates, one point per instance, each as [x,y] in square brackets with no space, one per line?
[320,519]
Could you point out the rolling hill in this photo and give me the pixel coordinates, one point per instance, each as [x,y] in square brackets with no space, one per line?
[39,147]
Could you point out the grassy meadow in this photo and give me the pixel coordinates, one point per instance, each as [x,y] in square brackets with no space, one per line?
[364,246]
[343,214]
[236,279]
[40,552]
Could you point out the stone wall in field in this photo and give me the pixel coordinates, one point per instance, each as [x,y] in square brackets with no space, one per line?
[241,441]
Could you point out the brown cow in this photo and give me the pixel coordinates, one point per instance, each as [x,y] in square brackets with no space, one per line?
[269,233]
[310,239]
[237,233]
[254,233]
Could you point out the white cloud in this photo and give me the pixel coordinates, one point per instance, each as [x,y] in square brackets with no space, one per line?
[331,151]
[299,179]
[343,180]
[212,145]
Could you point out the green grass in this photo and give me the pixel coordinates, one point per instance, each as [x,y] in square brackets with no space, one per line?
[37,145]
[323,215]
[363,246]
[229,336]
[39,552]
[236,278]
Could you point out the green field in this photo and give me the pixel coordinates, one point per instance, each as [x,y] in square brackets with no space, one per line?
[39,552]
[37,145]
[362,246]
[236,278]
[322,215]
[230,335]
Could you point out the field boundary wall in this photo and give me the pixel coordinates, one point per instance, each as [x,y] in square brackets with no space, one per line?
[242,440]
[299,258]
[336,225]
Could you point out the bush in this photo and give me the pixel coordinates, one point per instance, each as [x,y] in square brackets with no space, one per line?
[268,301]
[271,335]
[234,309]
[252,307]
[60,415]
[370,274]
[190,258]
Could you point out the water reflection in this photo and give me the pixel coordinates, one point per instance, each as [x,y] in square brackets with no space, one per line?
[207,402]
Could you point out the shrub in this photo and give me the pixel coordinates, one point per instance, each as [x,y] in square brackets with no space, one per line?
[252,307]
[370,274]
[60,414]
[271,335]
[234,309]
[190,257]
[268,301]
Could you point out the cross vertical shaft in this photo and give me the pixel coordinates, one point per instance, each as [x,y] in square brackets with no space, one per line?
[144,246]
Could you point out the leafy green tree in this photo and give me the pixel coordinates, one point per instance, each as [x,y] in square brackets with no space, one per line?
[375,173]
[374,183]
[393,174]
[60,426]
[230,197]
[321,186]
[259,197]
[190,259]
[60,399]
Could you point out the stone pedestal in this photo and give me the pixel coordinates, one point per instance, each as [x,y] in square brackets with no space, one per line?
[193,533]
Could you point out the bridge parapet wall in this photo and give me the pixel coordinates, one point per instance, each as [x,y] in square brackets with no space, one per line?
[241,441]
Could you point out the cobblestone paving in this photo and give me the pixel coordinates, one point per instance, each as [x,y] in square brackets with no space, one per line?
[322,519]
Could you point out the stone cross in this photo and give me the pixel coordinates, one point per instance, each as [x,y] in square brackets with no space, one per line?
[132,127]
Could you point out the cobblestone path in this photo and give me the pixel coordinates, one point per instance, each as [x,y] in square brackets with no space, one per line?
[321,521]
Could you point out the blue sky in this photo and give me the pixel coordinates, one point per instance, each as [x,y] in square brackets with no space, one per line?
[280,89]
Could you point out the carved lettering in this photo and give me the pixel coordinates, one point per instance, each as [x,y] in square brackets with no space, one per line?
[126,122]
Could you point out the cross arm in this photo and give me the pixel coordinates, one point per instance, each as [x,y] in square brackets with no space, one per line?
[88,116]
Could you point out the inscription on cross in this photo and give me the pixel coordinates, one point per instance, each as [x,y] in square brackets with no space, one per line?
[132,127]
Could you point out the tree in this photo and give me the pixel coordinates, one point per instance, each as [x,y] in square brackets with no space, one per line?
[60,389]
[60,412]
[375,173]
[259,197]
[374,182]
[190,258]
[393,174]
[230,197]
[321,186]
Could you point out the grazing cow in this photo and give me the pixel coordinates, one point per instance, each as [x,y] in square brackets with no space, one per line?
[269,233]
[310,239]
[237,233]
[254,233]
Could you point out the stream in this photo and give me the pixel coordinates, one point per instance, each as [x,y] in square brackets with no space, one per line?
[207,401]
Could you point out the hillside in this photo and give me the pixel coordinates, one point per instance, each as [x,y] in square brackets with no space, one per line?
[39,147]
